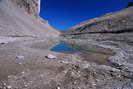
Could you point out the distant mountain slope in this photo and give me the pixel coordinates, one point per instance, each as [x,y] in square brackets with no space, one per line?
[114,26]
[16,21]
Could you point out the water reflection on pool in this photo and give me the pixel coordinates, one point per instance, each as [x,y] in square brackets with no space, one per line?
[64,48]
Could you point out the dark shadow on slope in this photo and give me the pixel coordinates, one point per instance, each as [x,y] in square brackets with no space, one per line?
[106,32]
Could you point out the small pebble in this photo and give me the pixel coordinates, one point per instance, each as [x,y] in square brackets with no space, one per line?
[4,84]
[26,85]
[20,63]
[94,84]
[9,76]
[58,88]
[41,75]
[3,43]
[23,72]
[50,56]
[19,57]
[9,87]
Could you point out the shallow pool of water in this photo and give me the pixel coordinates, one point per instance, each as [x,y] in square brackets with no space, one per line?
[90,53]
[64,48]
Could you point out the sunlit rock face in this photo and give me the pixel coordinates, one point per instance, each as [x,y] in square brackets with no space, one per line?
[31,6]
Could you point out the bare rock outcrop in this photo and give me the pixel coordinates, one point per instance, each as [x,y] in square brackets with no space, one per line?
[30,6]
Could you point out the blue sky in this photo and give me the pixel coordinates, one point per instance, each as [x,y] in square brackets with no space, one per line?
[63,14]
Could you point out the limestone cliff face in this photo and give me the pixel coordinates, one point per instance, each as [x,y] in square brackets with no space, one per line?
[17,18]
[30,6]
